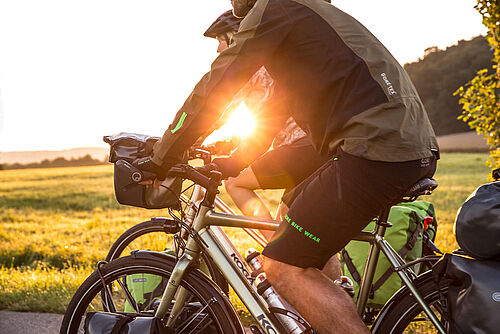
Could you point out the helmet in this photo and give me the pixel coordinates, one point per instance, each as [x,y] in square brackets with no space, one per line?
[224,23]
[241,8]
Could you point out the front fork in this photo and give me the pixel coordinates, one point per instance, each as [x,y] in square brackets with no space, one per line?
[173,289]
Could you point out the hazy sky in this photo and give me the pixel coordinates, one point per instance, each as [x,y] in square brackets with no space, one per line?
[72,71]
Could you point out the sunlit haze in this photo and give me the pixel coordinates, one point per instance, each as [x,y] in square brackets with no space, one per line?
[72,71]
[240,124]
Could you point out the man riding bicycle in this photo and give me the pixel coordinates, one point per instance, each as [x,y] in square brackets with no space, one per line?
[293,157]
[360,109]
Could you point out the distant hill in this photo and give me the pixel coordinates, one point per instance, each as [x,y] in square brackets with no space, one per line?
[441,72]
[27,157]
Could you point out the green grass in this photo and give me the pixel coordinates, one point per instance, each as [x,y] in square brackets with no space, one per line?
[55,224]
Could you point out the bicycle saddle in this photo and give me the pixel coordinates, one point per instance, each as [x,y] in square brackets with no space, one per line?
[423,187]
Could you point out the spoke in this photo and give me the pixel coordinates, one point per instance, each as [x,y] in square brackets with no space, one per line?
[197,314]
[128,295]
[201,321]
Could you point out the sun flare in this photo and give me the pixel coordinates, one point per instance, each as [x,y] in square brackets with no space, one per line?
[240,124]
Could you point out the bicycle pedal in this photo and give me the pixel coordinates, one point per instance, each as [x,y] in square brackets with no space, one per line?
[255,330]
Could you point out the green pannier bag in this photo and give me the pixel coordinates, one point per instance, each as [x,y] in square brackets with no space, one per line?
[412,223]
[145,289]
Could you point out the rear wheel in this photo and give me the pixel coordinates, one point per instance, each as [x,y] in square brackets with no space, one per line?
[403,314]
[153,235]
[206,310]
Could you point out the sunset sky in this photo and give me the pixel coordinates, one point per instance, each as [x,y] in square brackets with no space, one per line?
[72,71]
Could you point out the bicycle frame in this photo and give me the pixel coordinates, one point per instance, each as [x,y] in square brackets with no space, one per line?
[208,236]
[219,204]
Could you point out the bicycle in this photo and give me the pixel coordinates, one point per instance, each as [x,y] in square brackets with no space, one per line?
[158,232]
[191,299]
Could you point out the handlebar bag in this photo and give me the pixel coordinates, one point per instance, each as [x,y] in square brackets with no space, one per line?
[122,323]
[477,225]
[129,146]
[125,148]
[473,301]
[129,192]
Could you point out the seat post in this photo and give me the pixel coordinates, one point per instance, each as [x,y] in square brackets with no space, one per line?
[371,261]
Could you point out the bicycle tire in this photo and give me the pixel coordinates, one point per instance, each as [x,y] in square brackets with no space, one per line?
[400,313]
[203,294]
[150,227]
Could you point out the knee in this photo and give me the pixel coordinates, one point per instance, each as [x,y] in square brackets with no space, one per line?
[278,273]
[230,184]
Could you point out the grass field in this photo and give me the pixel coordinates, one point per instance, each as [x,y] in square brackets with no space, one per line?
[57,223]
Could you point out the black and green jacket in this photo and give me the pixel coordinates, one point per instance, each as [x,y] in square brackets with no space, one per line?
[339,83]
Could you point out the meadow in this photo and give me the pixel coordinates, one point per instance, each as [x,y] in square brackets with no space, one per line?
[56,224]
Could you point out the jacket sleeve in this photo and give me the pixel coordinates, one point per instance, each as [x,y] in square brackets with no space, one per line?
[260,34]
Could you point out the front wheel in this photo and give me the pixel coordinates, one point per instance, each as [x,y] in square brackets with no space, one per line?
[153,235]
[206,310]
[403,314]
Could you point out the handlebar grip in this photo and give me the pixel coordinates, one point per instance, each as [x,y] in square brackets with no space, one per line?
[189,172]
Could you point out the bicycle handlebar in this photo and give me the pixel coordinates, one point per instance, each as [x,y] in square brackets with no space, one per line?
[189,172]
[205,152]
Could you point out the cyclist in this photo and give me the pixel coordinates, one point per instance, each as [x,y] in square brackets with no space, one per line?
[293,157]
[357,104]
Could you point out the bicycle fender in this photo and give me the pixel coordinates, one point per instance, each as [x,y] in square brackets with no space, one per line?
[161,258]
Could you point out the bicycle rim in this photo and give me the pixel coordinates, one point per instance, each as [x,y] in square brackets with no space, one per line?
[407,316]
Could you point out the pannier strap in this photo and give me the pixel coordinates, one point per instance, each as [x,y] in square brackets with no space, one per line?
[122,322]
[385,276]
[403,252]
[350,266]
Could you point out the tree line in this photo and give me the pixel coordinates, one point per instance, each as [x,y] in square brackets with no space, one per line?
[441,73]
[86,160]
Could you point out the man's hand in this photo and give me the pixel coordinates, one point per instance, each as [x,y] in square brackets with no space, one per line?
[151,169]
[206,169]
[227,166]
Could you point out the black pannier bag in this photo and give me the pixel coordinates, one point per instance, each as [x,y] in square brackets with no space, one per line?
[477,226]
[122,323]
[473,303]
[125,148]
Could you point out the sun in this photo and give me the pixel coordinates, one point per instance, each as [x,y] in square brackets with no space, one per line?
[241,124]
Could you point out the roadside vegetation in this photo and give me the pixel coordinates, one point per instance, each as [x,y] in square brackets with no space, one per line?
[55,224]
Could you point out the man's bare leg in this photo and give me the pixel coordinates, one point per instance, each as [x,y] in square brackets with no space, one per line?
[321,302]
[332,267]
[241,189]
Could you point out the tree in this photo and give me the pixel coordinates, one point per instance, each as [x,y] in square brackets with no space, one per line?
[441,72]
[480,98]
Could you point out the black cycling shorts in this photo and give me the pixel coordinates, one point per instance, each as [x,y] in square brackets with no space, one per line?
[287,166]
[335,203]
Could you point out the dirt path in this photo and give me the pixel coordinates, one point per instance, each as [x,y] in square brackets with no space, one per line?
[24,323]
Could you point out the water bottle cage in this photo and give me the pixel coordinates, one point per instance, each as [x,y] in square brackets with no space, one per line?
[296,317]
